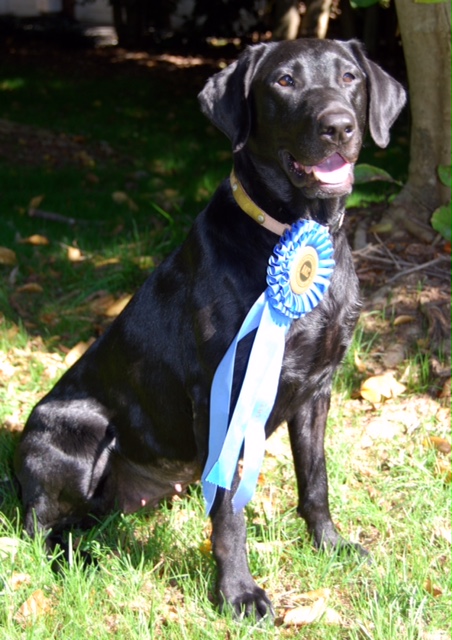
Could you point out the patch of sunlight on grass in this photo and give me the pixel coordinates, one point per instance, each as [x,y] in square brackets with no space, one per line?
[12,84]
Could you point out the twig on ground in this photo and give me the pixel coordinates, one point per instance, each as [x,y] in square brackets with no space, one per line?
[420,267]
[438,369]
[58,217]
[396,261]
[49,215]
[376,256]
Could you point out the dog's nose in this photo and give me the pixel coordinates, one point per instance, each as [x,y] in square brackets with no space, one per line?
[336,127]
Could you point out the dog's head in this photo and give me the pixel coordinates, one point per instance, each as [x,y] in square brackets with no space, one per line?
[304,106]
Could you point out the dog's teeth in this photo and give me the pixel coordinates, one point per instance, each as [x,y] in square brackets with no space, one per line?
[298,167]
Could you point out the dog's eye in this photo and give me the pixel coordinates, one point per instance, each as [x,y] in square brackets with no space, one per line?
[286,81]
[348,77]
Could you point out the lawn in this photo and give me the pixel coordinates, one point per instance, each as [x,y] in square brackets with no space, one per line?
[105,160]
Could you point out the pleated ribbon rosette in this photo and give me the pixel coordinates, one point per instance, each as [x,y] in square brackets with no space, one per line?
[298,275]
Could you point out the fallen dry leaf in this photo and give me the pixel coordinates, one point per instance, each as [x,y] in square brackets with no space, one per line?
[35,202]
[19,580]
[444,533]
[437,634]
[85,159]
[8,548]
[7,257]
[206,547]
[112,622]
[119,197]
[144,262]
[100,301]
[442,468]
[30,287]
[307,614]
[331,616]
[115,309]
[359,364]
[403,320]
[77,351]
[35,606]
[100,263]
[140,604]
[378,388]
[74,254]
[111,591]
[7,370]
[440,444]
[432,589]
[36,240]
[315,595]
[446,390]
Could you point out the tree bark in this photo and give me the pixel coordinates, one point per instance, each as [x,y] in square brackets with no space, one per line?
[287,20]
[317,18]
[426,38]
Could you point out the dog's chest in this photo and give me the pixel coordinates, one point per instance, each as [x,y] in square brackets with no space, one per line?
[140,486]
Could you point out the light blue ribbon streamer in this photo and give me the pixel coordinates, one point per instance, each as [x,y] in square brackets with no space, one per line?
[272,315]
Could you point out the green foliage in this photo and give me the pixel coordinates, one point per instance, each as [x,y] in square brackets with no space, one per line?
[441,218]
[368,173]
[363,4]
[445,174]
[441,221]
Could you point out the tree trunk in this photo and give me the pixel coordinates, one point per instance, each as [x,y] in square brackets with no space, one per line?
[68,9]
[130,22]
[287,20]
[316,20]
[426,38]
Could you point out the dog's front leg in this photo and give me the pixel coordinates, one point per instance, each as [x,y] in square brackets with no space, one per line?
[307,434]
[236,586]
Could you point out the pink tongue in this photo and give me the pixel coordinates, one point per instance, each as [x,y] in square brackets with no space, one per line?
[333,170]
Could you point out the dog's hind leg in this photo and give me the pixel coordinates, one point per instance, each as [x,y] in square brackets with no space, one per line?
[63,467]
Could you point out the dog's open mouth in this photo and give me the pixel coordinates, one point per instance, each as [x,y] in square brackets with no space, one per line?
[334,173]
[333,170]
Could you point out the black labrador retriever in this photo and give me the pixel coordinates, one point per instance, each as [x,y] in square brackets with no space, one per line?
[128,424]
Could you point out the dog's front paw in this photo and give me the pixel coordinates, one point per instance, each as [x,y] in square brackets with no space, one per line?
[246,600]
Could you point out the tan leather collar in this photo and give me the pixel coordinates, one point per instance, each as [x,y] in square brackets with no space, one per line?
[259,215]
[251,208]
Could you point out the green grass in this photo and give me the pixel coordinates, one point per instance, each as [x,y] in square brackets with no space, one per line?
[151,579]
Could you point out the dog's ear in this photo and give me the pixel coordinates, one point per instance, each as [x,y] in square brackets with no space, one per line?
[387,97]
[224,99]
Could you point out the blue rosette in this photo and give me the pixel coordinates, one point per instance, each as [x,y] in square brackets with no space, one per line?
[300,268]
[298,276]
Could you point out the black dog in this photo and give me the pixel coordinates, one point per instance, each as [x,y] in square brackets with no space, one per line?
[128,424]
